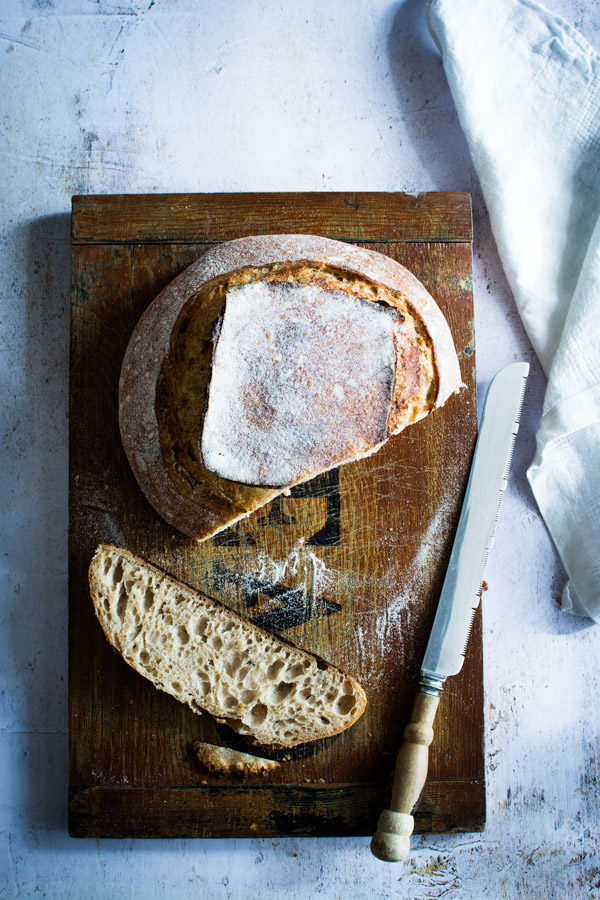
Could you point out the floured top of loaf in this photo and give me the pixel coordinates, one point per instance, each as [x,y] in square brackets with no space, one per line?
[302,380]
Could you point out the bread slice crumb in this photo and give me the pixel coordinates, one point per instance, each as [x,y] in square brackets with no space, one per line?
[223,761]
[214,659]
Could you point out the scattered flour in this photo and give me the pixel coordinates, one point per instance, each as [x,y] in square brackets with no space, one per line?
[301,569]
[429,547]
[375,636]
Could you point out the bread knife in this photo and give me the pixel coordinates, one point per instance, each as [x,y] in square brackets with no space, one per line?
[458,603]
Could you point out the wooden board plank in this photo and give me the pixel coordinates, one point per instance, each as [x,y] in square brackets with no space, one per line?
[362,551]
[195,218]
[308,810]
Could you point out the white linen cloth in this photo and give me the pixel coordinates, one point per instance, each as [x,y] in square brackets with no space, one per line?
[527,89]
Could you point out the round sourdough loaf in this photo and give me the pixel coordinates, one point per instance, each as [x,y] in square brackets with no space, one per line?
[169,386]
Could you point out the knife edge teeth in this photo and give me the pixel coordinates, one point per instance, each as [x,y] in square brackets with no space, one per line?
[520,405]
[471,620]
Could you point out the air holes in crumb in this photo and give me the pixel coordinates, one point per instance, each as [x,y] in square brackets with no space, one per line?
[282,690]
[182,634]
[148,598]
[248,696]
[216,642]
[233,663]
[345,704]
[295,671]
[325,720]
[117,574]
[274,670]
[121,602]
[134,633]
[230,702]
[169,619]
[321,664]
[201,627]
[258,714]
[144,657]
[176,685]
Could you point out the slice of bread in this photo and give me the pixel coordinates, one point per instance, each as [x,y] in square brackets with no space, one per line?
[214,659]
[223,761]
[168,366]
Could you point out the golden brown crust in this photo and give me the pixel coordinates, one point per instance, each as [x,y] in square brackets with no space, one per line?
[223,761]
[167,365]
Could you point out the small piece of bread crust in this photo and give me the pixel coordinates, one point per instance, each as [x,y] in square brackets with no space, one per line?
[214,659]
[166,368]
[223,761]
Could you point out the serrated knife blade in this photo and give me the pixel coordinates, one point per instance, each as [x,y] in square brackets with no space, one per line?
[458,602]
[461,592]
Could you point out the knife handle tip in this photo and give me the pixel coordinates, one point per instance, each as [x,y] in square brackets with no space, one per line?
[391,841]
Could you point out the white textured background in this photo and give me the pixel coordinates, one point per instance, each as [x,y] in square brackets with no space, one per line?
[176,95]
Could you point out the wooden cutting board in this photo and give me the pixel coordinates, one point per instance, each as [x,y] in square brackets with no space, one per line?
[350,565]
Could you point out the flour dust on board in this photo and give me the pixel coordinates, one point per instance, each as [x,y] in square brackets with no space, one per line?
[375,633]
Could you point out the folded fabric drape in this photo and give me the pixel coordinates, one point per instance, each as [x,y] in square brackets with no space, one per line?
[527,90]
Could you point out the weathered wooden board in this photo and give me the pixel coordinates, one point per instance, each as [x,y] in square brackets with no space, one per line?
[350,565]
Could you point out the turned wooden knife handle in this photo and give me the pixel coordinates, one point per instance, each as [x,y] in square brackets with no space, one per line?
[391,842]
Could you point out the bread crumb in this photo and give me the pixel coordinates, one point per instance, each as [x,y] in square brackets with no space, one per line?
[254,827]
[484,586]
[204,781]
[321,781]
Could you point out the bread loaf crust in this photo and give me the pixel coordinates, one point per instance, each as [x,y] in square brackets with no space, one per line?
[151,342]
